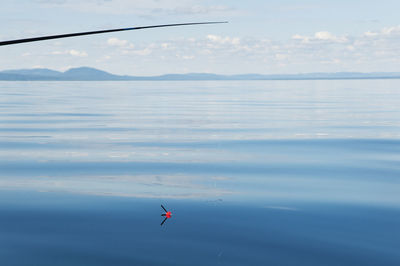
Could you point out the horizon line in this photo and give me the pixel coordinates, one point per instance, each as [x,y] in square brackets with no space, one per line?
[187,73]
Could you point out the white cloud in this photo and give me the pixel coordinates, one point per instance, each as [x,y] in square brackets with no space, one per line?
[370,34]
[77,53]
[300,37]
[141,52]
[117,42]
[300,53]
[391,30]
[327,36]
[145,51]
[124,47]
[223,40]
[120,43]
[281,56]
[320,36]
[185,57]
[71,52]
[165,45]
[384,33]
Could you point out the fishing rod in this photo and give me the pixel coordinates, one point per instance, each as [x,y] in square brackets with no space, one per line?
[68,35]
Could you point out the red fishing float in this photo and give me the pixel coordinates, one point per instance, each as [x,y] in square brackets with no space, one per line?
[167,215]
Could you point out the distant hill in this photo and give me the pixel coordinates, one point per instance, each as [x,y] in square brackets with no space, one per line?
[73,74]
[92,74]
[44,72]
[87,73]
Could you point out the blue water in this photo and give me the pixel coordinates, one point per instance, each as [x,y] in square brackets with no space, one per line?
[255,173]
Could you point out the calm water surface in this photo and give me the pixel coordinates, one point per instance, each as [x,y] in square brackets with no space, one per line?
[255,172]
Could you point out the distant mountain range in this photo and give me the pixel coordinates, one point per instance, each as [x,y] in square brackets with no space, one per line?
[92,74]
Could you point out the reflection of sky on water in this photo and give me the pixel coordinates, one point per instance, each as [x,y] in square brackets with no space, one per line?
[256,173]
[302,140]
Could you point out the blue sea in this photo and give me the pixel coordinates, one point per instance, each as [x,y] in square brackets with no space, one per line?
[254,173]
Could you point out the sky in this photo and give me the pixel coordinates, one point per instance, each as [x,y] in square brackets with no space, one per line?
[266,37]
